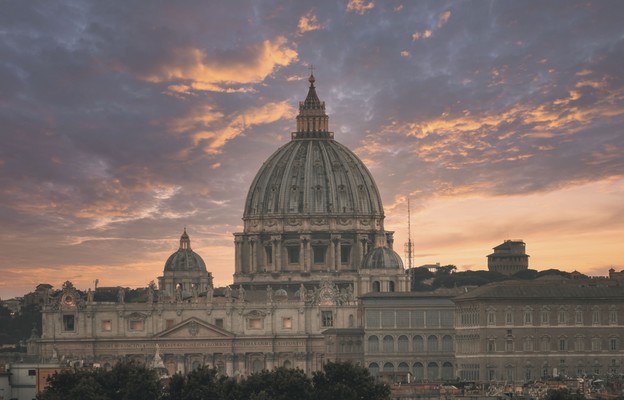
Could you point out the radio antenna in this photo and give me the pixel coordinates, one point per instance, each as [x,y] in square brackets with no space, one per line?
[409,247]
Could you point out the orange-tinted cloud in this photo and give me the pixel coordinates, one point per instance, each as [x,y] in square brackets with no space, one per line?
[203,129]
[443,18]
[308,22]
[205,72]
[360,6]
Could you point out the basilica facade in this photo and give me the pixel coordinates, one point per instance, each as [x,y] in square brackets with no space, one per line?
[316,279]
[313,243]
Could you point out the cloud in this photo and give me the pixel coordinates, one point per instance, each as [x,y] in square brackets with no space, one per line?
[308,23]
[206,72]
[203,125]
[443,18]
[421,35]
[360,6]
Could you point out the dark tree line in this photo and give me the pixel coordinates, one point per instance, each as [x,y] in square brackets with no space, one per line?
[132,381]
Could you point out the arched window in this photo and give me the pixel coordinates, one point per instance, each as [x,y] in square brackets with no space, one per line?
[196,365]
[432,371]
[447,343]
[447,371]
[256,366]
[432,343]
[373,368]
[388,367]
[351,321]
[388,344]
[403,367]
[287,364]
[373,344]
[419,371]
[418,344]
[391,286]
[403,344]
[376,286]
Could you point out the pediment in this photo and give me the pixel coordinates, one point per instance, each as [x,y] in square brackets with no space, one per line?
[194,328]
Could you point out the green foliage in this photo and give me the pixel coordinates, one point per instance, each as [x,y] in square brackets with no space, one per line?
[564,394]
[131,381]
[126,381]
[467,278]
[279,384]
[14,329]
[346,381]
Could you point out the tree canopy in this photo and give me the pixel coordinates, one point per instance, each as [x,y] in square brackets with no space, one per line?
[128,380]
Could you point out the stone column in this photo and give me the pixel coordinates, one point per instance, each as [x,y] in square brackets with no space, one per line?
[305,252]
[276,241]
[251,241]
[238,250]
[332,251]
[229,364]
[269,360]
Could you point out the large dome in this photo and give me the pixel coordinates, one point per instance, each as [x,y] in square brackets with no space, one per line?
[313,174]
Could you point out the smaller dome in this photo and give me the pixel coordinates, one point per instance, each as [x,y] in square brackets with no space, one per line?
[185,259]
[382,258]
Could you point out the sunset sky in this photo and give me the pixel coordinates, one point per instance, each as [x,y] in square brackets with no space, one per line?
[122,122]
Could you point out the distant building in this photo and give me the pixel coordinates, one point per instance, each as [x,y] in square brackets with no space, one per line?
[553,327]
[509,258]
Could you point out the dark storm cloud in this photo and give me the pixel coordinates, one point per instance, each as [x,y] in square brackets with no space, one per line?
[124,121]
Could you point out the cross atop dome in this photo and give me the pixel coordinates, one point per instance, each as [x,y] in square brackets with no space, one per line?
[312,121]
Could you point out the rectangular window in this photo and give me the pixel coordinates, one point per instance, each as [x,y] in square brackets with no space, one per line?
[561,317]
[372,319]
[491,374]
[32,372]
[286,323]
[219,322]
[509,345]
[545,317]
[596,344]
[613,344]
[293,254]
[319,254]
[596,317]
[345,253]
[107,325]
[255,323]
[508,318]
[169,323]
[68,323]
[528,317]
[269,254]
[491,318]
[613,317]
[491,346]
[137,324]
[387,319]
[563,345]
[327,319]
[578,317]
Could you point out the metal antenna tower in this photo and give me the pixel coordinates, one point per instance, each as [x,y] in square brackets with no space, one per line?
[409,246]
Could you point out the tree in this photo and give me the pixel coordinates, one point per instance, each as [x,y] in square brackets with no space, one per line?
[346,381]
[280,384]
[126,381]
[203,383]
[564,394]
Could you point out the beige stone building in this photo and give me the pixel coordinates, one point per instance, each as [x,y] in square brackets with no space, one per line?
[316,279]
[509,257]
[518,331]
[313,241]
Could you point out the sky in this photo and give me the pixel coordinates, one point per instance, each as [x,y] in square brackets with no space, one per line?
[123,122]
